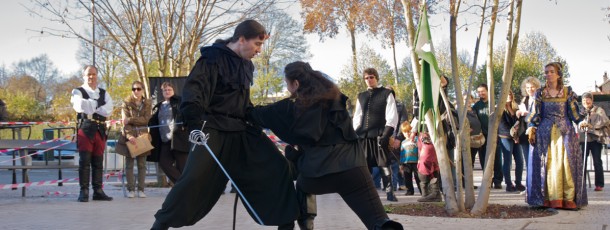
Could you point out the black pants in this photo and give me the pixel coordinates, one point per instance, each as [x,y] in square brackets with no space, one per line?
[90,166]
[253,162]
[498,174]
[409,172]
[379,156]
[356,188]
[168,158]
[595,148]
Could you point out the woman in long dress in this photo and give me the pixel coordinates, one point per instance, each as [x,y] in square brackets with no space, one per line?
[556,164]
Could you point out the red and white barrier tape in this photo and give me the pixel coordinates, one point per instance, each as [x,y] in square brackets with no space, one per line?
[35,122]
[36,153]
[48,182]
[37,144]
[46,122]
[39,183]
[58,193]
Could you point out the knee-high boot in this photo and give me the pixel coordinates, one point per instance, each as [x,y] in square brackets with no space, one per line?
[435,192]
[84,173]
[97,178]
[388,224]
[387,175]
[309,210]
[424,183]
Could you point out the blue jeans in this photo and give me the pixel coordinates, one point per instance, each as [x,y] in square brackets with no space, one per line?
[397,179]
[525,150]
[507,146]
[376,174]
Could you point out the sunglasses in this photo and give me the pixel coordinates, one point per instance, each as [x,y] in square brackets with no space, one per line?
[136,89]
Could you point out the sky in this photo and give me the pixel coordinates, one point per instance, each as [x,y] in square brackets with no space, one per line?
[576,29]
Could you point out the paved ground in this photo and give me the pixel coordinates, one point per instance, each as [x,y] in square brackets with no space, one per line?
[53,207]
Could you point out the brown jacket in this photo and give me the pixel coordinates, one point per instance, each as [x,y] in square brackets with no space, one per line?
[598,119]
[136,116]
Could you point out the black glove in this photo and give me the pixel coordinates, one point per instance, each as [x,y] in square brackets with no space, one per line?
[384,140]
[293,155]
[192,125]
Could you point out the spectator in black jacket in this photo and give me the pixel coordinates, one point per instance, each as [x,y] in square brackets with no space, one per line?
[169,139]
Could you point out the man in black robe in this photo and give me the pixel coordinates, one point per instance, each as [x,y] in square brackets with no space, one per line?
[218,91]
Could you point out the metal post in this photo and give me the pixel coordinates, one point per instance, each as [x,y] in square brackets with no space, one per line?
[93,31]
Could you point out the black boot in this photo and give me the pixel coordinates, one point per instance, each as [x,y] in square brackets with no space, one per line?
[84,171]
[159,226]
[288,226]
[84,195]
[309,210]
[305,222]
[435,193]
[388,224]
[389,188]
[98,193]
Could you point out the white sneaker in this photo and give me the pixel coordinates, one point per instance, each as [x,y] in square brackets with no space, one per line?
[141,194]
[131,194]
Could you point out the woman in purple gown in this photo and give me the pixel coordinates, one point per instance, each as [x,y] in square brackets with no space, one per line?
[555,167]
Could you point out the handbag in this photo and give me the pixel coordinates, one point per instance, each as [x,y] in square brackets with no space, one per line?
[121,146]
[476,141]
[141,146]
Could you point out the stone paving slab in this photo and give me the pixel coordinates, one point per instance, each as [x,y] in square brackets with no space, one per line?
[53,207]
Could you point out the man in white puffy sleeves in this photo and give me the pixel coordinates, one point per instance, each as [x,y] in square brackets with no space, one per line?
[92,105]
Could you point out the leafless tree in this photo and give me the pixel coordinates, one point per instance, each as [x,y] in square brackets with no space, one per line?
[156,37]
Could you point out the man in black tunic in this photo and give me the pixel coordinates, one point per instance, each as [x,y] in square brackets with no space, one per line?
[217,91]
[92,106]
[374,120]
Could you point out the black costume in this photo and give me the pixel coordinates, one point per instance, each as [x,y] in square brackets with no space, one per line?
[174,150]
[91,139]
[376,135]
[331,159]
[218,91]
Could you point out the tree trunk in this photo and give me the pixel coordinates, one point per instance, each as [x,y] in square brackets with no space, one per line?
[395,65]
[352,34]
[465,127]
[481,205]
[507,75]
[439,140]
[454,9]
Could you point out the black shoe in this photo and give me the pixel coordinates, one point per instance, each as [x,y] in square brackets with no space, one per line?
[510,188]
[84,195]
[497,186]
[100,195]
[159,226]
[388,224]
[410,193]
[391,196]
[520,188]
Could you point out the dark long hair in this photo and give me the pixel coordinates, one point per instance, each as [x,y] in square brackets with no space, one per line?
[313,88]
